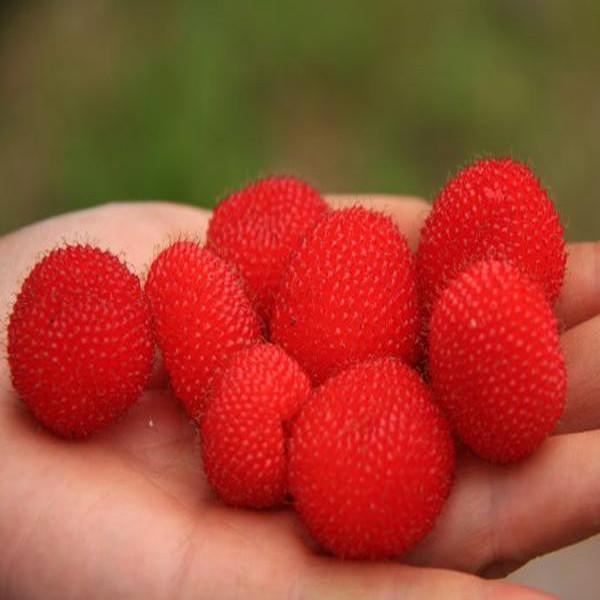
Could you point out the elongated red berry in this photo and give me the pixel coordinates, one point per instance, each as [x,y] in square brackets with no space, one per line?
[495,361]
[493,209]
[258,227]
[201,317]
[371,461]
[243,430]
[80,344]
[348,294]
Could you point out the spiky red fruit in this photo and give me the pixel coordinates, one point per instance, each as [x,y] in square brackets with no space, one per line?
[80,344]
[494,209]
[201,317]
[257,229]
[495,361]
[243,428]
[348,294]
[371,461]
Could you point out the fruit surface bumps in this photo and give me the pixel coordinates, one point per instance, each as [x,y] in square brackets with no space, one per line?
[80,344]
[495,361]
[243,430]
[201,317]
[258,227]
[348,294]
[493,209]
[371,461]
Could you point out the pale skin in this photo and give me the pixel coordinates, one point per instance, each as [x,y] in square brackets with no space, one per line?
[128,514]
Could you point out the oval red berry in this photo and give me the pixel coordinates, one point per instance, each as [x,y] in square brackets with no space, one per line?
[493,209]
[495,361]
[243,429]
[201,317]
[371,461]
[258,228]
[348,295]
[79,340]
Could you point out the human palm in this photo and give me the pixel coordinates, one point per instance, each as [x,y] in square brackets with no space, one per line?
[128,513]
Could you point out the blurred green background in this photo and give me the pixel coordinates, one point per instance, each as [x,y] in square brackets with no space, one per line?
[185,100]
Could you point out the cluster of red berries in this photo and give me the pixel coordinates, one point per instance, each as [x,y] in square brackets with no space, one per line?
[321,360]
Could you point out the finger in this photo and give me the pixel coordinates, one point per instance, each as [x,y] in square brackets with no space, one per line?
[580,296]
[581,348]
[356,581]
[408,212]
[509,515]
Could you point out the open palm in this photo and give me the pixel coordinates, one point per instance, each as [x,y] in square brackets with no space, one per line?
[128,514]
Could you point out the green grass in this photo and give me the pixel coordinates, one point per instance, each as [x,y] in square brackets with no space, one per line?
[113,100]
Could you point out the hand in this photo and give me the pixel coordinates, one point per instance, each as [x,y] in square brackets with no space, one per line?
[127,513]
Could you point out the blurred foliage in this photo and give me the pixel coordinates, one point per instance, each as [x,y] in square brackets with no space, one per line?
[185,100]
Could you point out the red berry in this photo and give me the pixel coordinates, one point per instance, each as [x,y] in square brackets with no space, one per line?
[348,294]
[201,317]
[495,361]
[257,229]
[243,427]
[80,344]
[494,209]
[371,461]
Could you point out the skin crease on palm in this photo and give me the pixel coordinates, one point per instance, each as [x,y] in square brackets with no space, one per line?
[128,514]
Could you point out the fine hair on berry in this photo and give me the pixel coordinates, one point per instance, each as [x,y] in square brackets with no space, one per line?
[80,344]
[243,429]
[201,317]
[495,361]
[348,294]
[371,461]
